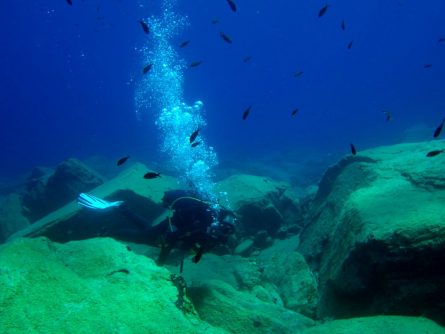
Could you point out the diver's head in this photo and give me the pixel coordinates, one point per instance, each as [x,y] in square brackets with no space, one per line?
[221,229]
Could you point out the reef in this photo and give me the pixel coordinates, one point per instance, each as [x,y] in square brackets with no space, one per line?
[375,235]
[366,245]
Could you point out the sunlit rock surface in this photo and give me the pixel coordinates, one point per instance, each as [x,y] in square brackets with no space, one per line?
[378,325]
[90,286]
[376,233]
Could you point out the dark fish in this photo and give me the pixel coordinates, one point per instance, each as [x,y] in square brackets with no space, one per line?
[194,135]
[232,5]
[440,40]
[69,2]
[323,11]
[353,149]
[215,21]
[350,45]
[184,44]
[195,63]
[434,153]
[226,38]
[427,65]
[294,112]
[151,175]
[124,271]
[147,68]
[387,114]
[298,74]
[121,161]
[246,112]
[343,25]
[438,129]
[247,59]
[144,26]
[196,143]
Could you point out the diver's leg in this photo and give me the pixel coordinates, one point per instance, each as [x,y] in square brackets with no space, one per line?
[165,251]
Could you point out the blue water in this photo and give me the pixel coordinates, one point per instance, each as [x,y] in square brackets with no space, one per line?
[69,74]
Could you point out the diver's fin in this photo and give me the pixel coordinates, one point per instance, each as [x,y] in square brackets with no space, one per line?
[95,203]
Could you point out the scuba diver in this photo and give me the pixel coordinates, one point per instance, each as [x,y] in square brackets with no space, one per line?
[191,224]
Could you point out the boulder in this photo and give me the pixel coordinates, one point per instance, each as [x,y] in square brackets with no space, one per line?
[90,286]
[378,325]
[287,271]
[277,275]
[376,234]
[71,222]
[261,203]
[221,305]
[48,192]
[11,216]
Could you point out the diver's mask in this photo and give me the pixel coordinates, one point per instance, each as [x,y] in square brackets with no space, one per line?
[222,229]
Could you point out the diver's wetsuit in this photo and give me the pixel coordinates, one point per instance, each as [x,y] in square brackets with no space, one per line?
[186,228]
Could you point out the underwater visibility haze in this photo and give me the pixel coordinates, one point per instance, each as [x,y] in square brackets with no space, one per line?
[294,148]
[70,74]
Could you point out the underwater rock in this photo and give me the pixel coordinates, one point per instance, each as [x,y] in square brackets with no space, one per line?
[244,248]
[72,223]
[90,286]
[288,271]
[221,305]
[46,193]
[378,325]
[278,275]
[261,203]
[11,216]
[376,234]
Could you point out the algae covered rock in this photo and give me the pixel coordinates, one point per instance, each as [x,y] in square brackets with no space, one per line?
[378,325]
[376,234]
[239,312]
[91,286]
[11,216]
[277,275]
[261,203]
[72,223]
[48,192]
[291,276]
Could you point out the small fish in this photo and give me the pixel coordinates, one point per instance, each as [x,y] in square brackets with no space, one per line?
[226,38]
[247,59]
[184,44]
[147,68]
[232,5]
[121,161]
[151,175]
[196,143]
[124,271]
[387,114]
[353,149]
[298,74]
[343,25]
[144,26]
[350,45]
[439,129]
[323,11]
[69,2]
[427,65]
[194,135]
[440,40]
[195,63]
[215,21]
[294,112]
[434,153]
[246,112]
